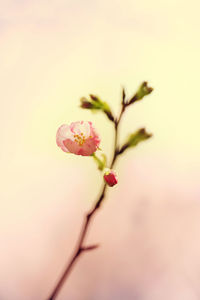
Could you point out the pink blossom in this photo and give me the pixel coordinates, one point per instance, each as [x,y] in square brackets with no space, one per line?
[110,177]
[79,138]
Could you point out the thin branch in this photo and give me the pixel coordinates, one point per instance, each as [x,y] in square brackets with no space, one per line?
[88,248]
[80,248]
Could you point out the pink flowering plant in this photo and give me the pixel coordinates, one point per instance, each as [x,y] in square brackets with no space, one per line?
[81,138]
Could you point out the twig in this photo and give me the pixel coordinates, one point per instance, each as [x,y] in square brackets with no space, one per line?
[80,248]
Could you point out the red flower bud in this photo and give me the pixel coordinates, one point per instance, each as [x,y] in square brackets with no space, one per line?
[110,177]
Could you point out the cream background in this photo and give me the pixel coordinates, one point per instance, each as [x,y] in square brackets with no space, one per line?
[51,54]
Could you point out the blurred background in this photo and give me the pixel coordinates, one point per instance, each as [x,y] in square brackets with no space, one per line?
[52,52]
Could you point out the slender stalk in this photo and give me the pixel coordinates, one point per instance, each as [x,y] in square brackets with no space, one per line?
[80,248]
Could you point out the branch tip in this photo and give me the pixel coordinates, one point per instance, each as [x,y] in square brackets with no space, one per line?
[91,247]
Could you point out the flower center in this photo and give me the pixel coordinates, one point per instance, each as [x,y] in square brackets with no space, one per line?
[80,139]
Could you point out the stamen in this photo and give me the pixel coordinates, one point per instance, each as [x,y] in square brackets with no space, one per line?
[79,139]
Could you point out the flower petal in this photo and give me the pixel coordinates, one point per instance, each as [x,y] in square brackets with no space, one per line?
[72,146]
[63,132]
[80,127]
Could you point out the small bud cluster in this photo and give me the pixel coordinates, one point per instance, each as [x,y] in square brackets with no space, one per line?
[134,139]
[143,91]
[95,103]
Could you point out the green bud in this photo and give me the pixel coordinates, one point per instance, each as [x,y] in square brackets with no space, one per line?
[85,103]
[94,98]
[95,103]
[135,138]
[143,91]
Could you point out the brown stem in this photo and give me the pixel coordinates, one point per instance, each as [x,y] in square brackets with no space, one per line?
[80,248]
